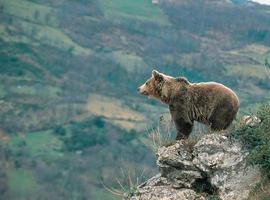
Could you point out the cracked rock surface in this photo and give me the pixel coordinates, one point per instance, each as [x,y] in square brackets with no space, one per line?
[214,161]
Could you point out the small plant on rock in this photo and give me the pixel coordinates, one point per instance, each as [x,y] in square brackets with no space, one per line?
[128,184]
[161,135]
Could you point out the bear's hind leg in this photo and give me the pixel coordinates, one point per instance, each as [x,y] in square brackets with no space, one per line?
[222,118]
[183,129]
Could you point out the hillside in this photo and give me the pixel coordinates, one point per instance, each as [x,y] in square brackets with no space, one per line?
[69,72]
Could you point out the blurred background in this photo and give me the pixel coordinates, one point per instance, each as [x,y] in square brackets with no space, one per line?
[70,114]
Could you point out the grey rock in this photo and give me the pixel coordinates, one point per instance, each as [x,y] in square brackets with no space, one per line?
[213,158]
[158,188]
[235,184]
[224,163]
[167,193]
[250,120]
[176,156]
[214,152]
[175,163]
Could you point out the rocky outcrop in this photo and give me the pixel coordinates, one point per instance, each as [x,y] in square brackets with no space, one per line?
[193,170]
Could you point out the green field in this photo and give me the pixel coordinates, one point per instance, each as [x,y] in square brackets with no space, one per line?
[139,9]
[21,182]
[31,11]
[129,62]
[3,92]
[38,143]
[51,36]
[49,91]
[39,25]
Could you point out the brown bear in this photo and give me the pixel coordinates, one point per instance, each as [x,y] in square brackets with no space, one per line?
[210,103]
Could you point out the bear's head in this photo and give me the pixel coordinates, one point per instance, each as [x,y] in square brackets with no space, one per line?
[164,87]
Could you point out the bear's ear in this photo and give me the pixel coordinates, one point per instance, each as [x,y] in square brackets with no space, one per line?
[155,72]
[182,80]
[157,75]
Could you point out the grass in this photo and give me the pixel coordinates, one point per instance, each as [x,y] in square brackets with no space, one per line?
[139,9]
[13,65]
[160,136]
[250,70]
[19,38]
[129,62]
[21,182]
[115,110]
[46,91]
[30,11]
[29,90]
[128,183]
[38,143]
[3,92]
[253,52]
[37,23]
[2,29]
[253,67]
[51,36]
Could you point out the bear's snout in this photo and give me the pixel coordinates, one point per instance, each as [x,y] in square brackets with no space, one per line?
[142,90]
[144,93]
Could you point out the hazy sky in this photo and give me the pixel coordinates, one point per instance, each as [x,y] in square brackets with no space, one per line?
[267,2]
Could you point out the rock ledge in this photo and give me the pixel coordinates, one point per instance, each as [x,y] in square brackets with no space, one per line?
[214,161]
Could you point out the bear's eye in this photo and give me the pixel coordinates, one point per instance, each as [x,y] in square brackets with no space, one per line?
[147,83]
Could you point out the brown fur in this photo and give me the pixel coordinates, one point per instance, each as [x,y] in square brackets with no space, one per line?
[210,103]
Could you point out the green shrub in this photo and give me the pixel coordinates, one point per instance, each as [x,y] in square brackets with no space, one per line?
[88,133]
[127,136]
[84,139]
[59,130]
[256,139]
[99,122]
[261,191]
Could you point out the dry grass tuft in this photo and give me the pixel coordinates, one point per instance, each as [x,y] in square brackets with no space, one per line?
[127,182]
[160,136]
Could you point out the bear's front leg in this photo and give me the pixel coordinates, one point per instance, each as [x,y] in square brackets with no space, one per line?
[183,129]
[180,136]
